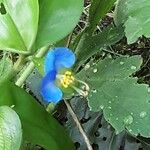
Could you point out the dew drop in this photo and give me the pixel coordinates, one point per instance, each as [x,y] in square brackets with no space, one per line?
[121,63]
[130,130]
[109,107]
[133,67]
[131,113]
[109,102]
[101,107]
[143,114]
[109,56]
[117,118]
[95,70]
[128,120]
[94,91]
[87,66]
[117,132]
[12,106]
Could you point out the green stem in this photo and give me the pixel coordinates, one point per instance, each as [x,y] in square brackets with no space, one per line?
[31,66]
[18,63]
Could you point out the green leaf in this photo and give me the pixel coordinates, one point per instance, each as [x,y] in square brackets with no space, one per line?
[57,19]
[98,10]
[5,68]
[135,17]
[100,133]
[10,129]
[38,126]
[18,25]
[124,102]
[89,45]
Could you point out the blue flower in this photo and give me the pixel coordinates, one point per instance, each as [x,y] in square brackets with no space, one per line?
[57,61]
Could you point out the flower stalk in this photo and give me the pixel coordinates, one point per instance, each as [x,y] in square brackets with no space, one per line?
[31,66]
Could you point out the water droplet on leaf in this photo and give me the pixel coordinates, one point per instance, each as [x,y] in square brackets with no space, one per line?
[130,130]
[109,107]
[95,70]
[87,66]
[101,107]
[121,63]
[94,91]
[133,67]
[12,106]
[128,120]
[109,56]
[143,114]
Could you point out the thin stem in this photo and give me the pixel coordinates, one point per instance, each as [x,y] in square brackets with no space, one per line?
[31,66]
[112,52]
[72,113]
[69,40]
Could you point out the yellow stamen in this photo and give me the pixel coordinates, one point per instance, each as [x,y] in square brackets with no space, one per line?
[67,79]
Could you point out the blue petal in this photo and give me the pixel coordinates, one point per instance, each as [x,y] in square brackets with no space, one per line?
[49,62]
[49,91]
[64,58]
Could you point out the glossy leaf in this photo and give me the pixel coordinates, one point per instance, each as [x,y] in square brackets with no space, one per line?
[10,129]
[38,126]
[18,25]
[125,103]
[135,17]
[5,68]
[57,19]
[98,10]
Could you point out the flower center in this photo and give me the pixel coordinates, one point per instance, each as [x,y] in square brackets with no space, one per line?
[67,79]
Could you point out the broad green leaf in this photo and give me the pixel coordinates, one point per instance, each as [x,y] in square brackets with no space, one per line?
[57,19]
[125,103]
[100,133]
[18,25]
[5,68]
[98,10]
[135,17]
[89,45]
[38,126]
[10,129]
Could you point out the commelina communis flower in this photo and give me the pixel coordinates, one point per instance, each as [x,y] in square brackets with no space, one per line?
[58,75]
